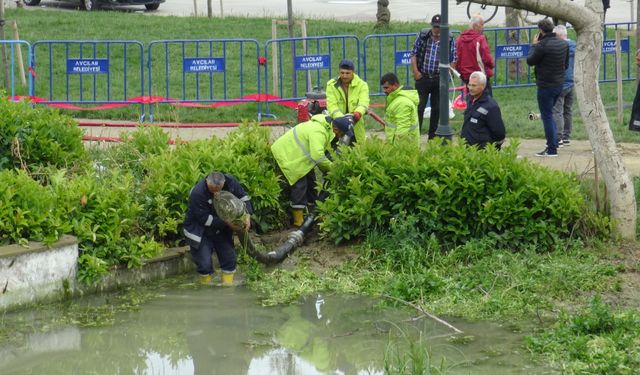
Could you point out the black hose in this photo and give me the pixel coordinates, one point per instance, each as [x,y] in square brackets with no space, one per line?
[294,240]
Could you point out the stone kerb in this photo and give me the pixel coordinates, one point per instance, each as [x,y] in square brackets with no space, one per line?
[37,272]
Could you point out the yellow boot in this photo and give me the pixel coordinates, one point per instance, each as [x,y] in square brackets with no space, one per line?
[205,279]
[227,278]
[298,217]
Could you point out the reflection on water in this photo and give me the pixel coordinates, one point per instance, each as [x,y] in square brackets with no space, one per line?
[198,330]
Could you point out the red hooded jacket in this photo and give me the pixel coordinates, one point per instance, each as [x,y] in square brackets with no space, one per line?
[467,52]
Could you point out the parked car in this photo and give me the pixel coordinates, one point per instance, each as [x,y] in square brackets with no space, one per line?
[93,4]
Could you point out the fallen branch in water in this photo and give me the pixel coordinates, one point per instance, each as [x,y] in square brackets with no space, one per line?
[423,311]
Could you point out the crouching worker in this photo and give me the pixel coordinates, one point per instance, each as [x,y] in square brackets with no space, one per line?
[205,231]
[301,149]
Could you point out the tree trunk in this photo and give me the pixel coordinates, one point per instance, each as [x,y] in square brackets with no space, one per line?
[587,22]
[383,16]
[617,181]
[517,67]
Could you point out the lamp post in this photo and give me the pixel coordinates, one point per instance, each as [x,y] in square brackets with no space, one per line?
[444,130]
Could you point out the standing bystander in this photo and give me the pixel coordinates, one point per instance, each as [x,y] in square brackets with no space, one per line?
[562,110]
[473,53]
[550,56]
[425,61]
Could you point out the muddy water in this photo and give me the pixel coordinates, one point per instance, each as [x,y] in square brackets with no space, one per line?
[182,328]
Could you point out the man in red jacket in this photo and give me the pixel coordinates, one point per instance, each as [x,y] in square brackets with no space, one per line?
[473,53]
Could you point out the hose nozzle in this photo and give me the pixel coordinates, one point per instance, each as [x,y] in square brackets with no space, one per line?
[533,116]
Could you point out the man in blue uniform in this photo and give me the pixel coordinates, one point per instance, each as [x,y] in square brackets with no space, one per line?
[205,231]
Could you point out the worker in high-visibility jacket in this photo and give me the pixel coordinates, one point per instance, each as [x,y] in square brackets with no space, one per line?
[349,94]
[301,149]
[401,111]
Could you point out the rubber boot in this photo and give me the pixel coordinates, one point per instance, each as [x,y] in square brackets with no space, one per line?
[205,279]
[227,278]
[298,217]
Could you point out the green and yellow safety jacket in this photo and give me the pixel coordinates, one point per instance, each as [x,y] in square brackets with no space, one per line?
[401,115]
[300,149]
[340,103]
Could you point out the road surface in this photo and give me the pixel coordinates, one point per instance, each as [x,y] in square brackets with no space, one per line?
[345,10]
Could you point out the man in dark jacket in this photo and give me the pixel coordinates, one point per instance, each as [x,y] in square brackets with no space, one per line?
[482,119]
[550,56]
[205,231]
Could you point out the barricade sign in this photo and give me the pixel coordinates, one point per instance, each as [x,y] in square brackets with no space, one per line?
[609,46]
[311,62]
[403,57]
[512,51]
[71,74]
[87,66]
[18,82]
[200,65]
[202,73]
[296,66]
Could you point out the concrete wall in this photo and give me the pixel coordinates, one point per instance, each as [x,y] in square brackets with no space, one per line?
[38,273]
[35,272]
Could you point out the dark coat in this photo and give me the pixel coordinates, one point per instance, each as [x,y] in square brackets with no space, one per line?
[483,122]
[201,218]
[551,60]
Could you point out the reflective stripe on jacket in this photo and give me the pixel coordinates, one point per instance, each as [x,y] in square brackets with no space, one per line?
[401,115]
[358,101]
[202,217]
[300,149]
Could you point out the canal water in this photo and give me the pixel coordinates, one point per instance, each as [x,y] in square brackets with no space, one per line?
[178,327]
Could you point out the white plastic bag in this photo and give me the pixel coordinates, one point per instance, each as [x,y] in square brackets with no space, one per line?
[427,111]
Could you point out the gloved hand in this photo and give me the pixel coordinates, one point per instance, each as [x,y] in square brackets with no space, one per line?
[356,116]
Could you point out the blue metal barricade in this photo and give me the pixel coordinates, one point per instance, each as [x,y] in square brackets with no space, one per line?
[384,53]
[300,64]
[106,72]
[197,71]
[16,79]
[608,60]
[511,46]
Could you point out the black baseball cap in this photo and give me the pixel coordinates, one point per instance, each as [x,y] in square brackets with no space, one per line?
[435,20]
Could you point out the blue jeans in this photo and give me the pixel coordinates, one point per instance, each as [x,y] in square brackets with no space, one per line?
[547,97]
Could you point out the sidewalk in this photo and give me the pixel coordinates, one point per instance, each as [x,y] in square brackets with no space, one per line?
[577,157]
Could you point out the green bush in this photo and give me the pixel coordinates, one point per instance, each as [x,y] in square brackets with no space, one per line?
[103,211]
[33,137]
[455,193]
[27,210]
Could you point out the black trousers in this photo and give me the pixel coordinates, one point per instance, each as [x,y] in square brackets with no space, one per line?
[429,88]
[303,192]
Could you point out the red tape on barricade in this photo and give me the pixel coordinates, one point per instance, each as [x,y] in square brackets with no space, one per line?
[149,99]
[126,124]
[93,138]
